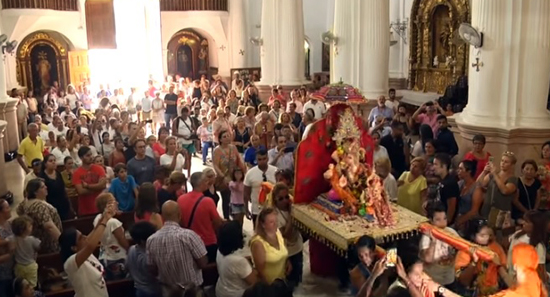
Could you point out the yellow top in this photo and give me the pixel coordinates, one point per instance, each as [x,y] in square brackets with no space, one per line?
[30,150]
[408,195]
[275,259]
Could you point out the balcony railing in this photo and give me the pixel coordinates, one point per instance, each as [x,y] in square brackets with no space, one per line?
[63,5]
[196,5]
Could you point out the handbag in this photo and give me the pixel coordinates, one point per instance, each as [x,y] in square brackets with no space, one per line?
[193,135]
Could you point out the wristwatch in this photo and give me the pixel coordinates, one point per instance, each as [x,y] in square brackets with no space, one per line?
[441,290]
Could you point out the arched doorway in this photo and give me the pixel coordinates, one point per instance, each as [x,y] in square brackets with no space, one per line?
[188,54]
[42,60]
[436,59]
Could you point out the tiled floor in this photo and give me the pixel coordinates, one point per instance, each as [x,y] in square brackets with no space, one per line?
[311,286]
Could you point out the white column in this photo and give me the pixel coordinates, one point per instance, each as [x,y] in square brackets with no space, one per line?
[154,41]
[238,41]
[361,57]
[3,183]
[511,88]
[282,53]
[3,87]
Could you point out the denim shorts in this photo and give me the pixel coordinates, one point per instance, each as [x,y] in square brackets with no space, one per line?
[237,208]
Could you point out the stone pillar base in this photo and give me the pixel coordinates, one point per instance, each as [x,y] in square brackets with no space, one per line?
[525,143]
[12,130]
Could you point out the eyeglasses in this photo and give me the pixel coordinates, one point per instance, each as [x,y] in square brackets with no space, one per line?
[264,177]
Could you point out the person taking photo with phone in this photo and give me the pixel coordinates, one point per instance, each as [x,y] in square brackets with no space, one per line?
[281,156]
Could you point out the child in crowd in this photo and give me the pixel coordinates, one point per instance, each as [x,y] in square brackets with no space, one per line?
[162,173]
[136,262]
[26,249]
[23,288]
[124,188]
[438,256]
[205,133]
[237,196]
[112,251]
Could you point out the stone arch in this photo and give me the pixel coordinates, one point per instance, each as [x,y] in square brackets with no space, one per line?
[43,53]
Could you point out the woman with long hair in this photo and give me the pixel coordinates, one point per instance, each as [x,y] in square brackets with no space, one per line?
[226,159]
[501,188]
[478,153]
[221,124]
[232,101]
[46,221]
[83,269]
[236,273]
[479,277]
[250,117]
[533,233]
[106,145]
[147,208]
[67,175]
[471,195]
[426,133]
[117,156]
[57,195]
[159,147]
[242,135]
[173,158]
[269,253]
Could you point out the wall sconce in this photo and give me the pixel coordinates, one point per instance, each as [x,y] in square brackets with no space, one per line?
[400,27]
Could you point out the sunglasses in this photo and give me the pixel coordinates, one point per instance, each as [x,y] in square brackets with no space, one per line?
[264,177]
[283,198]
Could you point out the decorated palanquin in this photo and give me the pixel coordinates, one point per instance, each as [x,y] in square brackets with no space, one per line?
[337,195]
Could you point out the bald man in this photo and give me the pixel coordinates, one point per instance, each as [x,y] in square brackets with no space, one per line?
[176,255]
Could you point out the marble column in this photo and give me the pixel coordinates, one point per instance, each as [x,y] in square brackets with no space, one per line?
[238,45]
[282,50]
[8,113]
[361,57]
[509,92]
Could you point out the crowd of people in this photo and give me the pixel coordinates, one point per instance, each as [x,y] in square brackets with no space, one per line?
[98,153]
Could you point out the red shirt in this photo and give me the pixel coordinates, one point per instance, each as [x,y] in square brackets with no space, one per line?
[205,214]
[159,149]
[86,203]
[481,163]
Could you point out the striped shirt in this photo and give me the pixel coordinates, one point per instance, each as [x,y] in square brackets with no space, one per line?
[173,251]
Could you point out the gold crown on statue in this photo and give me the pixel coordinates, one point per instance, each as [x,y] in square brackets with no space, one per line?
[347,128]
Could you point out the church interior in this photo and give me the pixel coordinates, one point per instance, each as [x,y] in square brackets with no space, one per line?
[487,62]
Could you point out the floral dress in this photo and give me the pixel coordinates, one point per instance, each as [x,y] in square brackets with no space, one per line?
[228,162]
[42,212]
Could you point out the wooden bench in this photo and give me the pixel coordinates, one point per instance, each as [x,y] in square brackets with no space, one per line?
[85,224]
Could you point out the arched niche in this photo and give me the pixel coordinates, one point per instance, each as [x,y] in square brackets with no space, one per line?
[188,54]
[42,58]
[436,58]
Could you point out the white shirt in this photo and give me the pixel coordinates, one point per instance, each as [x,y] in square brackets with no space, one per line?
[72,98]
[185,129]
[541,251]
[232,270]
[87,280]
[166,160]
[110,249]
[295,245]
[417,150]
[60,155]
[392,105]
[306,130]
[319,108]
[56,131]
[441,273]
[380,153]
[254,179]
[146,104]
[390,185]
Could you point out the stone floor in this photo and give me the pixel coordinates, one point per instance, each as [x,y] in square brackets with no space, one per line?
[311,286]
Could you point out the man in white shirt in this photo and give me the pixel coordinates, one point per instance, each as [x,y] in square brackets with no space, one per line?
[392,103]
[253,180]
[146,107]
[282,156]
[438,256]
[57,126]
[231,118]
[318,107]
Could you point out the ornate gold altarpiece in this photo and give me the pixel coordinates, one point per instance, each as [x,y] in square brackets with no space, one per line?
[437,58]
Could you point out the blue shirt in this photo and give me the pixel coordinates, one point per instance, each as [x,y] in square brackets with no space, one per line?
[136,263]
[250,155]
[124,192]
[386,112]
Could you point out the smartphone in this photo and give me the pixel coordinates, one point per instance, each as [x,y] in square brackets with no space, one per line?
[289,149]
[391,257]
[148,121]
[491,159]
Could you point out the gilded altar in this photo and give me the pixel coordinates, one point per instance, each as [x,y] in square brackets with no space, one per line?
[437,56]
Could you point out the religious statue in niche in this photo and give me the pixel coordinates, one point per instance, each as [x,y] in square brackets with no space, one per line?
[185,67]
[43,68]
[203,56]
[441,34]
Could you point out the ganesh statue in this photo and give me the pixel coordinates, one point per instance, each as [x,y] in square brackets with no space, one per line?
[355,187]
